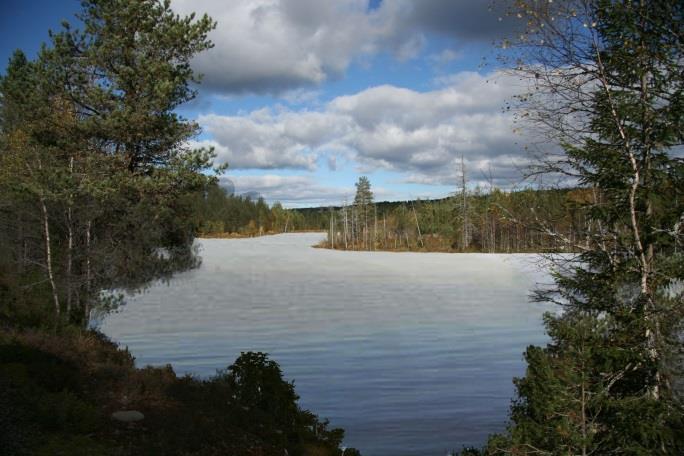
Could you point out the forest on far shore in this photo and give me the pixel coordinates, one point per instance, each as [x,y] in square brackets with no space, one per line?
[480,220]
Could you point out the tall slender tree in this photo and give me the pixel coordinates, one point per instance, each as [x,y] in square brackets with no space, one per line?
[363,201]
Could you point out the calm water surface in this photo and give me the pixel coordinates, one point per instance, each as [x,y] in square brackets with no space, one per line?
[411,353]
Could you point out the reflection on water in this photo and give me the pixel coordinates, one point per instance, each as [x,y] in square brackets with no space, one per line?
[411,353]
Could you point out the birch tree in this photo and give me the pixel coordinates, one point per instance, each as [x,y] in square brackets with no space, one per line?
[606,85]
[96,178]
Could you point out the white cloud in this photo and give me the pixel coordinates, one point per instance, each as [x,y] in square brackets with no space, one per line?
[276,45]
[294,191]
[258,156]
[268,140]
[273,46]
[420,134]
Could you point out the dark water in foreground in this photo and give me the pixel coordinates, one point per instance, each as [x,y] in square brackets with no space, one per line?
[413,354]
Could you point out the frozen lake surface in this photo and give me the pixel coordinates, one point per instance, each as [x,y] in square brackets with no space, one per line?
[411,353]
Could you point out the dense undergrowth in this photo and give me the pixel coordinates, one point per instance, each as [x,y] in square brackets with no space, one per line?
[58,393]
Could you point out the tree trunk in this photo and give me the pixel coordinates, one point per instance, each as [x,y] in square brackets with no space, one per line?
[69,265]
[420,236]
[345,226]
[48,260]
[70,247]
[384,230]
[375,230]
[86,304]
[465,204]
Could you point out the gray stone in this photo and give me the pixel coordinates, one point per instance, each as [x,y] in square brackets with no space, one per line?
[127,416]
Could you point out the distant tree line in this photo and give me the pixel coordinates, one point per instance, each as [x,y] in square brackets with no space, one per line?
[479,220]
[218,212]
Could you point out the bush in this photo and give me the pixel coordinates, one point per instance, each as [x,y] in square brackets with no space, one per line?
[57,393]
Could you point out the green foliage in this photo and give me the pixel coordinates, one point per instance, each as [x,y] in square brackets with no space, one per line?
[217,213]
[257,384]
[266,400]
[99,193]
[604,383]
[96,182]
[364,195]
[59,390]
[539,220]
[126,72]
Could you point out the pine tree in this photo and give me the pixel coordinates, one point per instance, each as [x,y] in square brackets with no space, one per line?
[96,179]
[126,72]
[363,200]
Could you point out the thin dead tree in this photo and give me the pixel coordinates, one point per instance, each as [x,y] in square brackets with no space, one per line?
[375,229]
[345,224]
[415,215]
[464,202]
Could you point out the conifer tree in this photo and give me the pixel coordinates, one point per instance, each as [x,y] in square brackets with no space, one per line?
[607,85]
[96,178]
[363,200]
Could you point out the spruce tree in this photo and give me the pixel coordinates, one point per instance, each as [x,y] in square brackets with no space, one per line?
[607,85]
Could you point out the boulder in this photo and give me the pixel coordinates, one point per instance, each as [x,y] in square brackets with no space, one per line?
[127,416]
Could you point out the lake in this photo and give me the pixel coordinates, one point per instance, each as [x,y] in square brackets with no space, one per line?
[411,353]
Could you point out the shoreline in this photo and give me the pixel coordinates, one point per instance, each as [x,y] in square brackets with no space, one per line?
[248,236]
[323,245]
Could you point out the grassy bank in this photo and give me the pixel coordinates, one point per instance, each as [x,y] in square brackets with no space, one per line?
[430,243]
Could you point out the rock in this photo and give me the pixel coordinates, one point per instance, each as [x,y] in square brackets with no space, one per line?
[127,416]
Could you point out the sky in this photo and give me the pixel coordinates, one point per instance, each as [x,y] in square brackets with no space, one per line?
[301,97]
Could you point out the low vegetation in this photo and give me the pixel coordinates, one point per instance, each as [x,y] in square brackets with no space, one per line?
[58,393]
[492,221]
